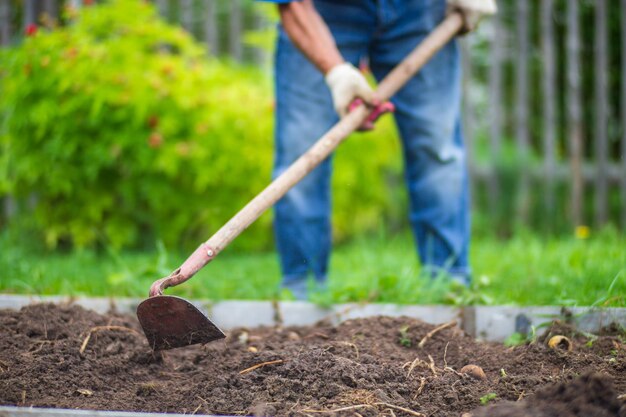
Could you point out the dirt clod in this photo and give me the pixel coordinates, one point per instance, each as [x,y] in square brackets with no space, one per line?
[356,368]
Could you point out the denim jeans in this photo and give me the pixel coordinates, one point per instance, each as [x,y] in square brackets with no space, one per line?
[428,119]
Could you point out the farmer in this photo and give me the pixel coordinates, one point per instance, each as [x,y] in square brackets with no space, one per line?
[320,44]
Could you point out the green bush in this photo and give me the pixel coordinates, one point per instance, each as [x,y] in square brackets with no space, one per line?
[122,131]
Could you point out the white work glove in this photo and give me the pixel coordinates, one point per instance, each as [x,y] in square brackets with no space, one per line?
[472,11]
[347,84]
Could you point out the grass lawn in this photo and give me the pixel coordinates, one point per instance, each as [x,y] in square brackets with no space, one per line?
[525,270]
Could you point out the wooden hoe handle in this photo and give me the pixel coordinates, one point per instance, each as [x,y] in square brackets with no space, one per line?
[324,146]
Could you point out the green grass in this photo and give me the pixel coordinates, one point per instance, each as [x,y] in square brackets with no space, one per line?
[525,270]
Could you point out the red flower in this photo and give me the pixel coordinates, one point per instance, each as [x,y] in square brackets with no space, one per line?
[31,29]
[155,140]
[153,121]
[88,2]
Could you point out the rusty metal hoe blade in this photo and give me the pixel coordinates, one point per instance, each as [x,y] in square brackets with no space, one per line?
[170,322]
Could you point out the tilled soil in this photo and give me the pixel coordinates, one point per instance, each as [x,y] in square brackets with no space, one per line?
[69,357]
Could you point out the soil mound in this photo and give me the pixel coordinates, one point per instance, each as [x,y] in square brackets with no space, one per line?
[69,357]
[591,395]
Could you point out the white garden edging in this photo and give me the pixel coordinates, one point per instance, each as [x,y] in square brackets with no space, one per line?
[491,323]
[60,412]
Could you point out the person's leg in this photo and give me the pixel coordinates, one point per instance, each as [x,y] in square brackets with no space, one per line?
[304,112]
[428,118]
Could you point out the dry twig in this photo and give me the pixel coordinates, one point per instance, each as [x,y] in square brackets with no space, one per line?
[431,365]
[352,345]
[412,365]
[3,366]
[41,343]
[406,410]
[202,399]
[354,407]
[420,388]
[93,330]
[418,362]
[260,365]
[317,334]
[433,331]
[336,410]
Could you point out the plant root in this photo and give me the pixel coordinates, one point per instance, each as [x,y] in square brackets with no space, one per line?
[434,331]
[260,365]
[336,410]
[316,334]
[356,407]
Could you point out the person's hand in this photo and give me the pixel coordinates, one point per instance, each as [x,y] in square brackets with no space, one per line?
[472,11]
[347,84]
[350,89]
[379,110]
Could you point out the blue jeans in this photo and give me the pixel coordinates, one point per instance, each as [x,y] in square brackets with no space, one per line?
[428,119]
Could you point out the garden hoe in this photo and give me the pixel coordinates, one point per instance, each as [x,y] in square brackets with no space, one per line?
[170,321]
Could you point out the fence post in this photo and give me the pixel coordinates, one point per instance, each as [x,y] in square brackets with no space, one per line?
[186,15]
[5,22]
[210,27]
[495,103]
[601,112]
[549,82]
[163,7]
[235,48]
[30,13]
[260,55]
[51,8]
[574,112]
[8,204]
[623,102]
[76,4]
[522,106]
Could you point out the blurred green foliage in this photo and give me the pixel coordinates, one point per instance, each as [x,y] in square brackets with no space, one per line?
[117,129]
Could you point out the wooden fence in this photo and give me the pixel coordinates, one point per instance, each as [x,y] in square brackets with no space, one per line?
[557,100]
[545,92]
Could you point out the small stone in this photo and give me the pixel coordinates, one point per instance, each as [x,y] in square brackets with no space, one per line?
[85,392]
[474,371]
[243,338]
[252,349]
[293,336]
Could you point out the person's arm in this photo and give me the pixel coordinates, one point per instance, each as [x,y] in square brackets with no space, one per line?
[310,34]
